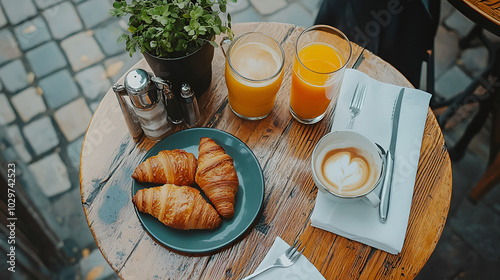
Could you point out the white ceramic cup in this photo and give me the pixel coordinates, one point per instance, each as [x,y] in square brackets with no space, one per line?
[348,166]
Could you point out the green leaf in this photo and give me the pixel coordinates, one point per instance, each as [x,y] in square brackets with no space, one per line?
[116,13]
[132,29]
[153,44]
[122,38]
[214,44]
[117,4]
[145,17]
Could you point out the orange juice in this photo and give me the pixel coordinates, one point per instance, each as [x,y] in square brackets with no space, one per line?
[313,90]
[253,80]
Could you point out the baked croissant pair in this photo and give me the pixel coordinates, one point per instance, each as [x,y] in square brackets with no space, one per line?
[184,207]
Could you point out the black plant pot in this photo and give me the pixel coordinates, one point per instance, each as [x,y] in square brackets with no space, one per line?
[194,69]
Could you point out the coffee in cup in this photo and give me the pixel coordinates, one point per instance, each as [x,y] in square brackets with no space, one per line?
[348,165]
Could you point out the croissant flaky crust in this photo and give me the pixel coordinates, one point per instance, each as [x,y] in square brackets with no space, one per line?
[169,167]
[217,177]
[177,207]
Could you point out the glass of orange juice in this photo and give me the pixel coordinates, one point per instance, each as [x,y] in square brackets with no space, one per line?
[321,55]
[254,71]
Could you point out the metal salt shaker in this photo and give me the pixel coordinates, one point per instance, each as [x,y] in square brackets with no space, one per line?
[131,118]
[148,104]
[190,106]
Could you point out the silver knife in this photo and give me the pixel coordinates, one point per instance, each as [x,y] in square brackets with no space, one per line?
[389,161]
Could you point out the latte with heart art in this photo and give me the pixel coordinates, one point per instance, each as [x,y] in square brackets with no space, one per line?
[347,171]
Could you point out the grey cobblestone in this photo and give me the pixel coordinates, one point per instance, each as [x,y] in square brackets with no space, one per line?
[117,66]
[312,6]
[459,23]
[58,89]
[28,104]
[15,14]
[8,46]
[51,175]
[237,7]
[74,150]
[452,82]
[7,115]
[82,50]
[3,19]
[74,228]
[475,60]
[93,106]
[42,4]
[93,81]
[95,259]
[46,59]
[73,119]
[32,33]
[63,20]
[248,15]
[17,141]
[107,35]
[14,76]
[94,12]
[446,50]
[289,15]
[41,135]
[266,7]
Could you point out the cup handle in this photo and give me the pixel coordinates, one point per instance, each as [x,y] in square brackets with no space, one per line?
[224,44]
[372,199]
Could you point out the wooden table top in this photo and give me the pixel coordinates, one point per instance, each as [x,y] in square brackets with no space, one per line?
[283,148]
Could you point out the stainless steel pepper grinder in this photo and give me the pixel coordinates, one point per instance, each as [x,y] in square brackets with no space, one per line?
[148,104]
[131,118]
[190,106]
[174,110]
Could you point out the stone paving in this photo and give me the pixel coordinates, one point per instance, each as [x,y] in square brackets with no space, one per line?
[59,57]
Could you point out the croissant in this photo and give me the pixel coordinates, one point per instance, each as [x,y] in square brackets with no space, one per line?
[217,177]
[177,207]
[169,167]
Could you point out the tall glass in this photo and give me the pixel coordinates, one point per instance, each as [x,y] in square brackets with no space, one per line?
[254,71]
[321,55]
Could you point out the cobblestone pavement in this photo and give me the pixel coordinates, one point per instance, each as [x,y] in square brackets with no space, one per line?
[59,57]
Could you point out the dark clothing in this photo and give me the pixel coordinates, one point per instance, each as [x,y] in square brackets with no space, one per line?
[399,31]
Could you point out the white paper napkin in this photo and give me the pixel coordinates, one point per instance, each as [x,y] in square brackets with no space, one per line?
[301,270]
[357,220]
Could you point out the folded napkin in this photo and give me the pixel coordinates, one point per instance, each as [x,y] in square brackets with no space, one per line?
[357,220]
[302,269]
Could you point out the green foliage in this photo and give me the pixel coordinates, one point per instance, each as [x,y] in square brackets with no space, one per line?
[171,28]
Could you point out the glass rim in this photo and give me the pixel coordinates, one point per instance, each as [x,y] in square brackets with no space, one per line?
[249,79]
[327,27]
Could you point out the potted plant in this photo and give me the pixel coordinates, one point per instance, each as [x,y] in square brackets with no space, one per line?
[175,37]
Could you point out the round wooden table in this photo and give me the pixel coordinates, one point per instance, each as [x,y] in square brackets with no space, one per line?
[283,148]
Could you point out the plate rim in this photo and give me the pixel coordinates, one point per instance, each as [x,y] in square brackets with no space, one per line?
[227,242]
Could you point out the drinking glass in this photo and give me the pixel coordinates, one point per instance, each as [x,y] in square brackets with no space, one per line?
[254,71]
[321,55]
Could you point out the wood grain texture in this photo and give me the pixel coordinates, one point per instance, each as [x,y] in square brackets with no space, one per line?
[283,148]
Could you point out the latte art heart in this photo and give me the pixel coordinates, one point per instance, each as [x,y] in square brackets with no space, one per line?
[347,172]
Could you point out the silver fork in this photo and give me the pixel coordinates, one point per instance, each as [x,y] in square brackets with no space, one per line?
[288,258]
[356,103]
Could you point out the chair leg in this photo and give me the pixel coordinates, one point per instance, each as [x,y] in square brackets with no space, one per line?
[458,150]
[492,175]
[490,178]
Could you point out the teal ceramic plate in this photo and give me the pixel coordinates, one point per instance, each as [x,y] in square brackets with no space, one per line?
[248,198]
